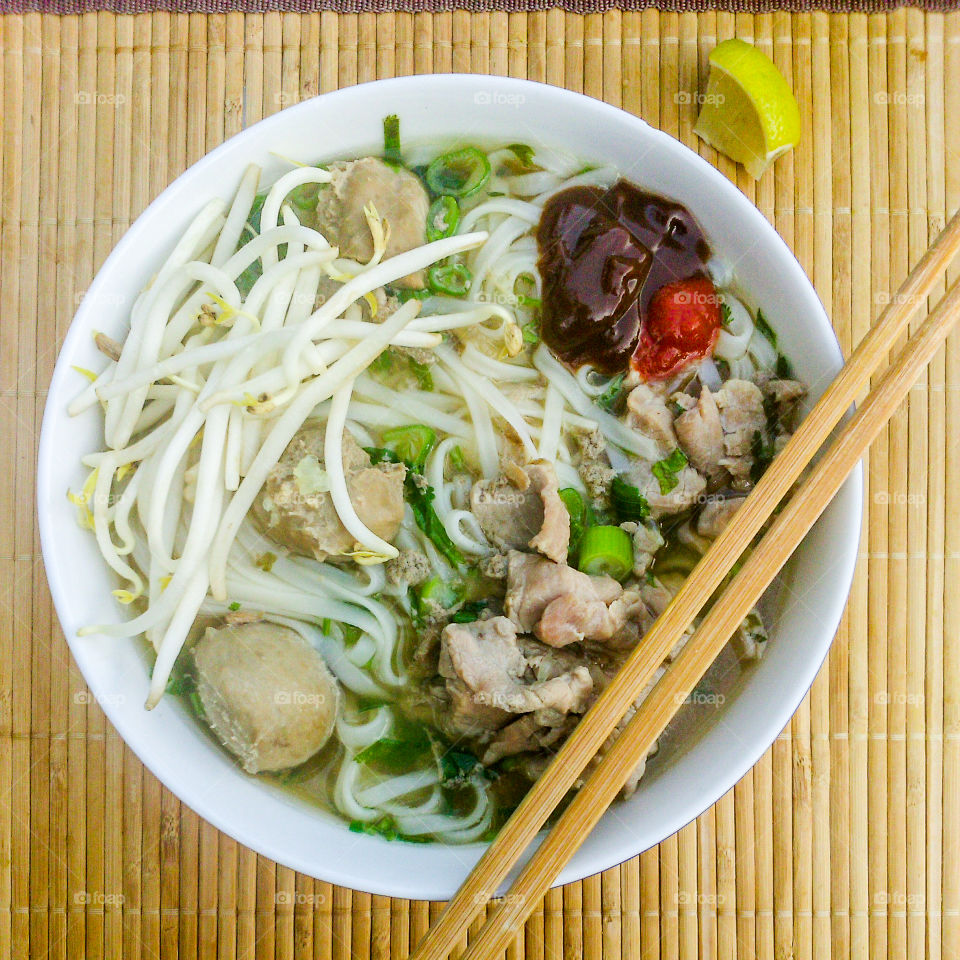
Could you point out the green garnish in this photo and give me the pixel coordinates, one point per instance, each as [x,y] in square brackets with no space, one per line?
[470,611]
[762,451]
[443,218]
[666,470]
[266,561]
[628,502]
[457,459]
[393,756]
[609,400]
[451,279]
[196,704]
[234,606]
[446,593]
[456,765]
[351,634]
[784,368]
[726,315]
[523,153]
[385,827]
[459,173]
[391,141]
[421,502]
[765,329]
[606,550]
[578,515]
[531,332]
[403,295]
[304,197]
[411,444]
[422,372]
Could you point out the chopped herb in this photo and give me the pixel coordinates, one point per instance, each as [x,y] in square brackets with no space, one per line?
[351,633]
[304,197]
[196,704]
[578,517]
[524,301]
[446,593]
[761,449]
[234,606]
[404,295]
[456,765]
[266,561]
[381,455]
[391,141]
[411,444]
[325,625]
[628,502]
[422,372]
[392,755]
[609,400]
[726,315]
[383,363]
[495,193]
[765,329]
[457,459]
[470,611]
[385,827]
[421,502]
[651,579]
[531,332]
[366,704]
[784,368]
[523,153]
[666,470]
[179,683]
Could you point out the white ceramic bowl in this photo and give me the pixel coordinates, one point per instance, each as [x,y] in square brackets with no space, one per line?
[706,763]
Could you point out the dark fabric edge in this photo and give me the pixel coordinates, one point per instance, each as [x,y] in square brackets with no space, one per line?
[436,6]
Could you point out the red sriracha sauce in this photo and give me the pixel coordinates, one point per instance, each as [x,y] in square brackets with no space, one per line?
[604,256]
[682,324]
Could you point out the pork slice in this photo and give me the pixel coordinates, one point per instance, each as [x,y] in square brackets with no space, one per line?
[525,511]
[573,618]
[533,582]
[485,658]
[686,493]
[648,414]
[533,732]
[743,418]
[700,433]
[716,515]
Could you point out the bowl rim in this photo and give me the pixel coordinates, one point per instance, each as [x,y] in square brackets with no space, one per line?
[349,874]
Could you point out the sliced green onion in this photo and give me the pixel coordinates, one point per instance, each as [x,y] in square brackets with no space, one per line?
[446,593]
[666,470]
[628,502]
[443,218]
[606,550]
[459,173]
[523,153]
[765,329]
[578,512]
[391,141]
[411,444]
[470,611]
[609,400]
[452,279]
[531,332]
[457,460]
[304,197]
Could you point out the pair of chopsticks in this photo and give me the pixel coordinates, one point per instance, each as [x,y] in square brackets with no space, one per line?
[778,543]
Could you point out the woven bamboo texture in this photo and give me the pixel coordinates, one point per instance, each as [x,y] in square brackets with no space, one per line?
[844,840]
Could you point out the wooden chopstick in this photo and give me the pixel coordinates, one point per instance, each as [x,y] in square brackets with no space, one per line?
[599,722]
[758,571]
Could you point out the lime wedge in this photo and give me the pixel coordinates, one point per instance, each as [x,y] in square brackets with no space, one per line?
[749,113]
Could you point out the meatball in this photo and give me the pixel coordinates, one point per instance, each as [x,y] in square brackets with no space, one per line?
[266,693]
[304,519]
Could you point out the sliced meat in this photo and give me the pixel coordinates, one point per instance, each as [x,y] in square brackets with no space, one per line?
[482,661]
[647,413]
[647,540]
[398,197]
[743,418]
[573,618]
[701,436]
[513,516]
[297,511]
[532,732]
[716,514]
[533,582]
[784,395]
[689,488]
[750,639]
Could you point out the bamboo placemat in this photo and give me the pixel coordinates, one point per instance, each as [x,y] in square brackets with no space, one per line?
[845,839]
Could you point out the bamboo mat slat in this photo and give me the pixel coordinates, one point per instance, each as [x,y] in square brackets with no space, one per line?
[844,840]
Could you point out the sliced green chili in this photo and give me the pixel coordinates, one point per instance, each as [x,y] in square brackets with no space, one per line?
[443,218]
[459,173]
[451,279]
